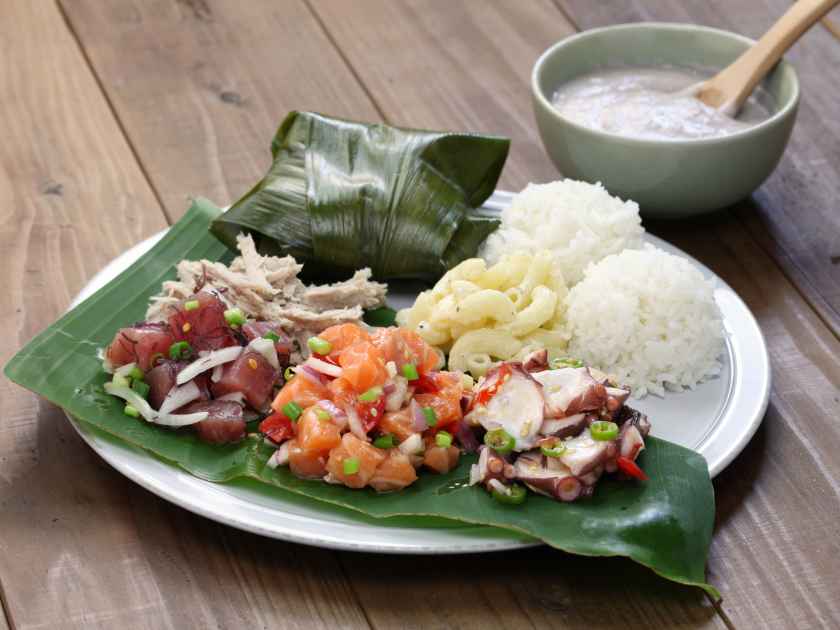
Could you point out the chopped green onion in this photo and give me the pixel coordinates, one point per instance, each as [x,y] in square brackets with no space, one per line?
[443,439]
[565,362]
[514,496]
[351,465]
[131,411]
[371,395]
[292,410]
[500,441]
[289,374]
[553,451]
[272,335]
[136,374]
[191,305]
[384,441]
[409,370]
[121,381]
[431,416]
[179,350]
[141,388]
[603,431]
[234,317]
[318,345]
[322,414]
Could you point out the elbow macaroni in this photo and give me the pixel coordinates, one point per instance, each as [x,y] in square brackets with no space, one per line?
[485,315]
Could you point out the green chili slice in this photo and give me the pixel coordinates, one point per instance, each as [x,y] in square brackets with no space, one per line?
[500,441]
[603,431]
[555,450]
[179,350]
[514,496]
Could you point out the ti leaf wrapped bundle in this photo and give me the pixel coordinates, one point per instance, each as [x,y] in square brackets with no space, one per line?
[341,195]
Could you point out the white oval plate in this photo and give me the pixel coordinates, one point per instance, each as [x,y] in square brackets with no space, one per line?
[717,419]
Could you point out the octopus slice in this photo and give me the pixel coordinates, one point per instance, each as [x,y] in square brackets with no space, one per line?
[564,427]
[583,453]
[536,361]
[569,391]
[547,476]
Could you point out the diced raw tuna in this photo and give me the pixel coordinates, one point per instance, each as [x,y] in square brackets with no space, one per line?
[161,379]
[225,423]
[254,330]
[140,343]
[250,374]
[203,327]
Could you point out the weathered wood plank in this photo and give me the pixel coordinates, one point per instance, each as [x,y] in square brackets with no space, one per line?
[80,546]
[778,503]
[792,214]
[200,87]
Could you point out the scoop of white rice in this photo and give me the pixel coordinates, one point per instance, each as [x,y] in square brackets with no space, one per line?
[649,319]
[580,223]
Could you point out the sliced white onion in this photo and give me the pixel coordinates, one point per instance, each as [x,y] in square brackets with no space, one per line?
[395,393]
[217,373]
[338,416]
[308,373]
[266,348]
[280,457]
[179,396]
[499,487]
[125,369]
[150,415]
[355,424]
[323,367]
[237,397]
[392,369]
[475,474]
[412,445]
[107,366]
[202,364]
[419,419]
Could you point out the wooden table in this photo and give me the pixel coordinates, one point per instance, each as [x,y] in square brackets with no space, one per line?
[113,113]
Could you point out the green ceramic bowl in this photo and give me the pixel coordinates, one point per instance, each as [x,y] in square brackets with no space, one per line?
[668,178]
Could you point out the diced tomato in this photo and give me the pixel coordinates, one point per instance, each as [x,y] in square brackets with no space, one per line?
[315,433]
[250,374]
[367,457]
[446,400]
[203,327]
[395,473]
[400,424]
[343,336]
[307,463]
[491,384]
[363,366]
[425,384]
[371,413]
[630,468]
[302,390]
[277,427]
[140,344]
[441,459]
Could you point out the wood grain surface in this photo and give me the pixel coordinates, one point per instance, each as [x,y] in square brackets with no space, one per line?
[134,106]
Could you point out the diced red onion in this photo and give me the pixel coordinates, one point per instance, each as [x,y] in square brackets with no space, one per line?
[418,417]
[466,436]
[179,396]
[339,418]
[202,364]
[389,388]
[308,373]
[466,400]
[323,367]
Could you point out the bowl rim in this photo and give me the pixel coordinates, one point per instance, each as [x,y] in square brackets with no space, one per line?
[776,118]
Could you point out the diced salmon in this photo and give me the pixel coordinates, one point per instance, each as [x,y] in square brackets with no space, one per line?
[395,473]
[307,463]
[441,459]
[446,400]
[140,344]
[343,336]
[404,346]
[362,366]
[368,456]
[400,424]
[342,393]
[203,327]
[316,434]
[250,374]
[301,390]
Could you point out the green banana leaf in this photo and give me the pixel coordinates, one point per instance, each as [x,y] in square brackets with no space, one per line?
[665,523]
[341,195]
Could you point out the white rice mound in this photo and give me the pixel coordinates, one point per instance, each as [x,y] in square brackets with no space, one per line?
[648,319]
[580,223]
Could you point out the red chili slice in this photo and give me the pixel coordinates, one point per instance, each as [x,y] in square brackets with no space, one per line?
[629,468]
[489,390]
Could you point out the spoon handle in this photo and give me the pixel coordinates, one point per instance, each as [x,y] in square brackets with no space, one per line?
[728,89]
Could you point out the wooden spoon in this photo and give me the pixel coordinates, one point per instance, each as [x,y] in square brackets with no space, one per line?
[729,88]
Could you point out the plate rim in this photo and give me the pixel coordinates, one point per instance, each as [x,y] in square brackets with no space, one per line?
[114,454]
